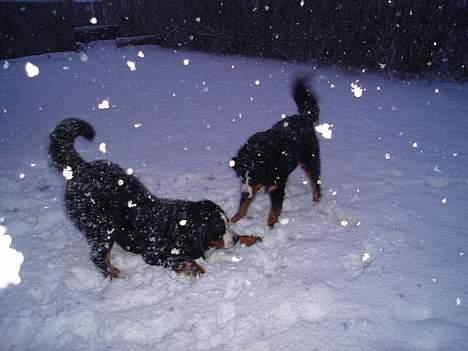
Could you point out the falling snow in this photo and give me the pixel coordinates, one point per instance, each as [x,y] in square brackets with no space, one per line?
[131,65]
[325,130]
[31,70]
[83,57]
[365,258]
[104,105]
[377,266]
[102,147]
[356,89]
[67,173]
[10,260]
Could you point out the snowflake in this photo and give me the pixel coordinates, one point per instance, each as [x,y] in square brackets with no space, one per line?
[10,261]
[131,65]
[104,105]
[31,70]
[356,89]
[93,20]
[365,258]
[186,62]
[284,221]
[102,148]
[67,173]
[325,130]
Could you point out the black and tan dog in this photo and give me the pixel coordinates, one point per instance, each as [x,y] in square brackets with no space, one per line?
[268,157]
[108,205]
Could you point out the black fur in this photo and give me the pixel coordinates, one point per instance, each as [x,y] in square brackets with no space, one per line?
[268,157]
[109,206]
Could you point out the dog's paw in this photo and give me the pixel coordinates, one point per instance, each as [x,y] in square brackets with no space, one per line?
[112,272]
[249,240]
[190,268]
[272,219]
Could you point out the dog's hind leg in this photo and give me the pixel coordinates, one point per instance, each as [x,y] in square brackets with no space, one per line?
[276,197]
[311,166]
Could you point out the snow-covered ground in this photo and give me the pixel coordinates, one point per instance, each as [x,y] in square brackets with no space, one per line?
[381,263]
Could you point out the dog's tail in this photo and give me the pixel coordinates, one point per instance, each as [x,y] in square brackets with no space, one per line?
[61,149]
[305,99]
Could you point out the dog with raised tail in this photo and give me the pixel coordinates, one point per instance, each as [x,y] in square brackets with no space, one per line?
[267,159]
[109,206]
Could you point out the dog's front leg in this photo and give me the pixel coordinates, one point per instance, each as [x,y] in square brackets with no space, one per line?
[189,268]
[161,256]
[245,201]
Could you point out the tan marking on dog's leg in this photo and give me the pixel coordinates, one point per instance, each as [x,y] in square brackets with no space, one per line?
[217,244]
[112,271]
[315,192]
[245,204]
[249,240]
[190,268]
[273,218]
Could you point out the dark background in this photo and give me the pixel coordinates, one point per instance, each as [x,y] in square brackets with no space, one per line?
[410,38]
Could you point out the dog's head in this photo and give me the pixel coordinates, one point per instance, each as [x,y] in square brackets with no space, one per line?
[215,226]
[252,175]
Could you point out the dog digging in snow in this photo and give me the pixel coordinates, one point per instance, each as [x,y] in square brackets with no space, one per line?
[267,159]
[110,206]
